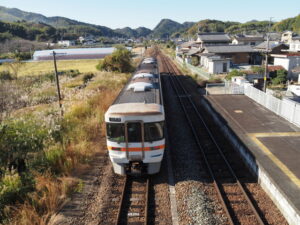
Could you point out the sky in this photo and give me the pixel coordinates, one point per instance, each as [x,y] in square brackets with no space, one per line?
[136,13]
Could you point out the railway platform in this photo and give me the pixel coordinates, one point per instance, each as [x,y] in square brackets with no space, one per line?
[269,144]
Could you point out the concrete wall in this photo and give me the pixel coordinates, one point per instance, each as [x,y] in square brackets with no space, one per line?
[284,62]
[287,63]
[217,66]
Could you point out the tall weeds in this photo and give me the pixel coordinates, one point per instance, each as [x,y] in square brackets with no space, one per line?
[73,141]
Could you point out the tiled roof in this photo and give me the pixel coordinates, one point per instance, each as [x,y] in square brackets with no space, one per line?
[249,38]
[216,37]
[188,44]
[296,38]
[272,44]
[275,68]
[228,48]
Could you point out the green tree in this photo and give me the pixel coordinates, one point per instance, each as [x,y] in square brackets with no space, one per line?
[280,78]
[120,60]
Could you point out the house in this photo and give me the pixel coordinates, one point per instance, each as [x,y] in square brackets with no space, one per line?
[274,47]
[66,43]
[205,39]
[183,49]
[239,54]
[295,44]
[288,36]
[214,64]
[247,40]
[273,36]
[288,61]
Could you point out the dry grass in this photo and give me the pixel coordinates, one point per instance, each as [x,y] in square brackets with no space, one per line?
[50,194]
[84,131]
[43,67]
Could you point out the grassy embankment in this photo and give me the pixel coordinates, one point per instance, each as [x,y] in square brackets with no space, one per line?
[40,151]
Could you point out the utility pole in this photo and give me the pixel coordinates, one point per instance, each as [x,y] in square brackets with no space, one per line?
[267,54]
[57,84]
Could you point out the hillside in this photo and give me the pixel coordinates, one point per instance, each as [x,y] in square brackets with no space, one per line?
[28,31]
[251,27]
[167,27]
[129,32]
[288,24]
[209,26]
[70,26]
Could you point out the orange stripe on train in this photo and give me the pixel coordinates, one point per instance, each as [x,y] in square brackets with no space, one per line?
[136,149]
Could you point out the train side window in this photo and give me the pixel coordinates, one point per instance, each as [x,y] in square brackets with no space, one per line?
[154,131]
[134,132]
[115,132]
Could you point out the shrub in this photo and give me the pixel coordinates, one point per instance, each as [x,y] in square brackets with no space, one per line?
[69,73]
[5,75]
[258,69]
[18,138]
[195,61]
[22,56]
[119,60]
[87,77]
[234,73]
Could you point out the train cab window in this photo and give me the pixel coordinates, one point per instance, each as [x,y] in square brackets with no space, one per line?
[134,132]
[115,132]
[154,131]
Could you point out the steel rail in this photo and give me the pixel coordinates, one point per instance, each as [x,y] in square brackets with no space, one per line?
[125,190]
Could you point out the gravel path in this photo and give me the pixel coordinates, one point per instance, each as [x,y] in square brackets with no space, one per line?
[196,205]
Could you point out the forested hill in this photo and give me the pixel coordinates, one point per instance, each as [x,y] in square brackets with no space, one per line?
[251,27]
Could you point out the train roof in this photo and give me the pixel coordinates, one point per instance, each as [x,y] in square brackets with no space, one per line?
[134,109]
[143,87]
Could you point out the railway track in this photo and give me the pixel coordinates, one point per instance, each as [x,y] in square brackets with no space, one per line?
[231,192]
[129,201]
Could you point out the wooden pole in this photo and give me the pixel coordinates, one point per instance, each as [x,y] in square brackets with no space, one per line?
[57,85]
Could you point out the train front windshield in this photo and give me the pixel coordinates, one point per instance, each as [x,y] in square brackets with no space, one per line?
[152,131]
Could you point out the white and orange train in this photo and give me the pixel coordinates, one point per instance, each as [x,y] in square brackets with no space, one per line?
[135,123]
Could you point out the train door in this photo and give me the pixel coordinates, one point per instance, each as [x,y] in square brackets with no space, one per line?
[134,135]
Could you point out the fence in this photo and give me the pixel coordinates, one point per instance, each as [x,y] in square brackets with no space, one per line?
[285,108]
[226,88]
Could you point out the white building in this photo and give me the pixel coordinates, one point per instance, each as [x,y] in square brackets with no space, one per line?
[66,43]
[295,44]
[215,64]
[288,61]
[247,40]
